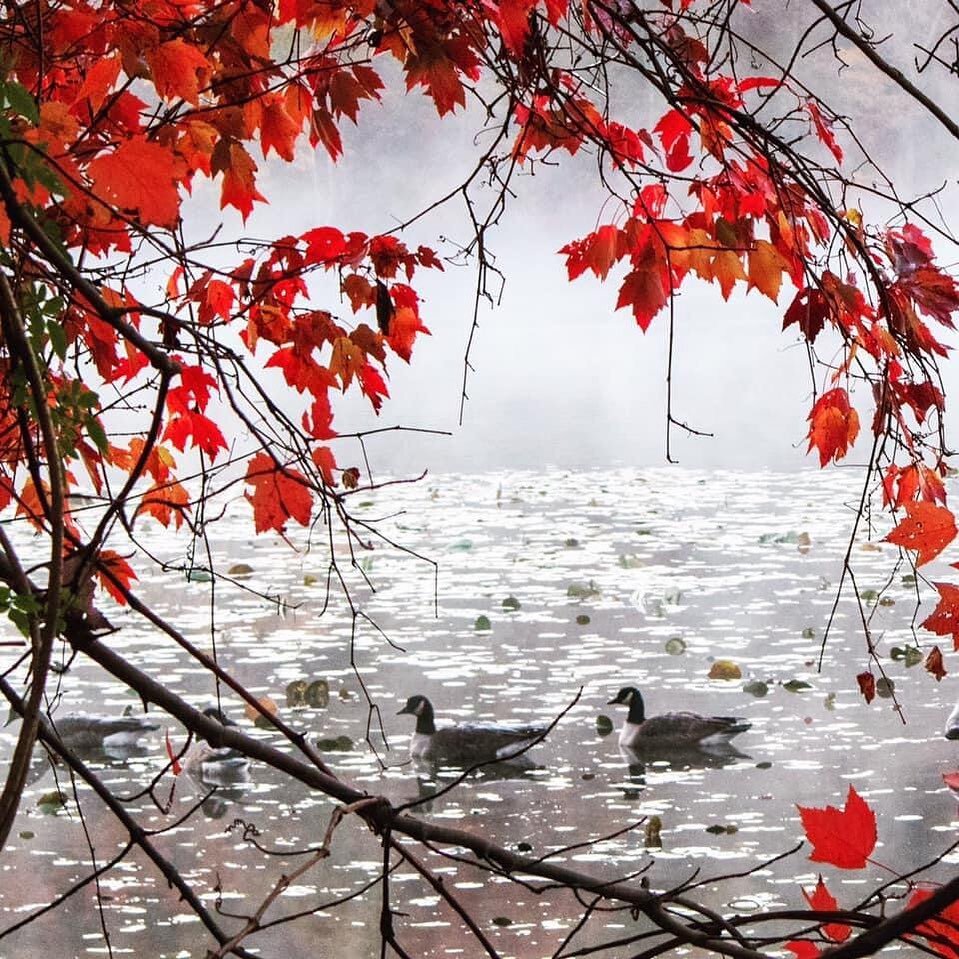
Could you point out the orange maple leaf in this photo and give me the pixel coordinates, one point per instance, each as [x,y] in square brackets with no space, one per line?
[766,266]
[118,568]
[834,425]
[278,494]
[239,176]
[140,178]
[927,528]
[179,70]
[165,502]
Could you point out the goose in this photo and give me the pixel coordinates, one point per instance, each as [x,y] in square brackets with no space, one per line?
[952,724]
[673,730]
[465,744]
[216,765]
[90,732]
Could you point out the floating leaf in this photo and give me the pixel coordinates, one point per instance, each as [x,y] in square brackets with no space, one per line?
[256,717]
[887,601]
[804,542]
[654,826]
[718,829]
[631,561]
[52,802]
[502,921]
[482,623]
[868,595]
[756,687]
[725,669]
[604,725]
[830,701]
[909,579]
[341,744]
[675,646]
[318,694]
[571,543]
[240,571]
[26,834]
[885,687]
[296,693]
[309,580]
[583,591]
[461,546]
[511,602]
[809,633]
[796,685]
[765,764]
[524,847]
[582,619]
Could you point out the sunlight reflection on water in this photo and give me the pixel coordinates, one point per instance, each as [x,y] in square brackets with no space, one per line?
[603,570]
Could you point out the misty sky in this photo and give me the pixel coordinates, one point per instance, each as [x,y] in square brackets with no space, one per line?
[561,377]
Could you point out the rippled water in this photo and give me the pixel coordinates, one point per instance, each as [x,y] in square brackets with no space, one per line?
[603,574]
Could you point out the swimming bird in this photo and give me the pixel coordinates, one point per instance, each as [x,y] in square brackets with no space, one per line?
[89,732]
[673,730]
[952,724]
[466,744]
[216,765]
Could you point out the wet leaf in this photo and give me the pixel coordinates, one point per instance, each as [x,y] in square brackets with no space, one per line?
[604,725]
[867,686]
[583,591]
[804,541]
[673,597]
[885,687]
[571,542]
[809,633]
[340,744]
[652,839]
[675,646]
[268,706]
[582,619]
[630,561]
[725,669]
[502,921]
[912,656]
[511,602]
[765,764]
[868,595]
[524,847]
[240,571]
[887,601]
[718,829]
[830,701]
[309,580]
[482,623]
[28,834]
[296,693]
[756,687]
[461,546]
[909,579]
[317,694]
[52,802]
[796,685]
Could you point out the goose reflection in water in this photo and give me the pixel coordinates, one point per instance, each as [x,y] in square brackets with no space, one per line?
[678,758]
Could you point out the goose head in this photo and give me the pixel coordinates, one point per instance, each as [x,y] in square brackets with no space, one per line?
[417,706]
[630,696]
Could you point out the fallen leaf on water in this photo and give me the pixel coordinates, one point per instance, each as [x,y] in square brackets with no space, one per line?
[725,669]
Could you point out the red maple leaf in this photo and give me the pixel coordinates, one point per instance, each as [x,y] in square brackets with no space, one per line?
[842,837]
[952,780]
[139,177]
[833,425]
[809,310]
[822,900]
[279,494]
[867,686]
[179,70]
[942,931]
[596,252]
[927,528]
[944,619]
[207,436]
[803,949]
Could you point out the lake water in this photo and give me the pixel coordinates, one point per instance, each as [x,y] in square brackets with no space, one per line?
[547,585]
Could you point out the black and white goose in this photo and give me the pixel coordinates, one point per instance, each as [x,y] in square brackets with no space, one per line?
[672,730]
[88,732]
[952,724]
[465,744]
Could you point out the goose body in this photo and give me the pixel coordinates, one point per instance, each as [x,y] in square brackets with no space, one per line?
[465,744]
[674,730]
[216,765]
[952,724]
[87,731]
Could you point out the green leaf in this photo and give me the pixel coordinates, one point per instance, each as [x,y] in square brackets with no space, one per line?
[482,623]
[796,685]
[675,646]
[21,101]
[511,602]
[604,725]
